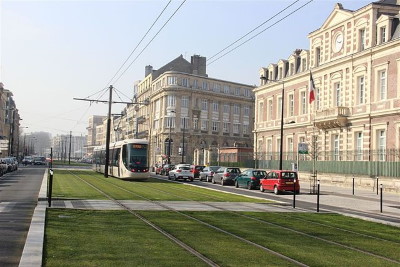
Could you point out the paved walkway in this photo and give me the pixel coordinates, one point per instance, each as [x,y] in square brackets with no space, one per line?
[367,202]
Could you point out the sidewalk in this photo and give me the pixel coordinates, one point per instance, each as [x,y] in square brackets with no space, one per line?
[364,201]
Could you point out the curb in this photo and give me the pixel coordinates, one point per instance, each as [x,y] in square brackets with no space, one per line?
[32,255]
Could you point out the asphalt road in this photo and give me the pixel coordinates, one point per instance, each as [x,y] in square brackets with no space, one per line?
[18,198]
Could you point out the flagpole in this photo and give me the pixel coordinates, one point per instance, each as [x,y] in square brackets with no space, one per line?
[313,141]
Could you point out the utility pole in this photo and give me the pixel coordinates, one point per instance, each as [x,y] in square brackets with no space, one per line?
[69,154]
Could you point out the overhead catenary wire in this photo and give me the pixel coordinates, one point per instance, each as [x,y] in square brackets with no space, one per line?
[144,36]
[254,36]
[173,14]
[274,16]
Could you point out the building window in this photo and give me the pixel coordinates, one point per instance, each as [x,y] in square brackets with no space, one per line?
[204,104]
[291,105]
[270,109]
[246,111]
[226,108]
[303,64]
[204,125]
[226,127]
[260,111]
[337,94]
[290,145]
[185,101]
[215,126]
[269,147]
[236,109]
[185,82]
[217,87]
[383,34]
[382,85]
[291,68]
[382,145]
[359,146]
[172,80]
[245,128]
[184,123]
[361,90]
[303,96]
[246,92]
[170,122]
[196,123]
[195,84]
[171,101]
[317,56]
[235,128]
[318,98]
[215,106]
[226,89]
[279,111]
[280,73]
[205,86]
[237,91]
[362,39]
[336,147]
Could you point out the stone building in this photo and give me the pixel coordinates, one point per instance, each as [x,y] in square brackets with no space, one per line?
[354,60]
[181,105]
[94,121]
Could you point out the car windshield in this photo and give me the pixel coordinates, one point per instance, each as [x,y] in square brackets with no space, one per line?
[214,168]
[184,168]
[289,175]
[233,170]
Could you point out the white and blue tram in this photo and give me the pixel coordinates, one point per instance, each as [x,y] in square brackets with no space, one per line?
[128,159]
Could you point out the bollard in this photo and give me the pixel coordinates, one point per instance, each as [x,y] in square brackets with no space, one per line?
[317,195]
[50,188]
[294,193]
[353,185]
[381,187]
[377,182]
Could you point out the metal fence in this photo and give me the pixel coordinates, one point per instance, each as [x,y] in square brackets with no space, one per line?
[368,162]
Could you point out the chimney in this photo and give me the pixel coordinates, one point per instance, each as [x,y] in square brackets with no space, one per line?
[199,65]
[148,70]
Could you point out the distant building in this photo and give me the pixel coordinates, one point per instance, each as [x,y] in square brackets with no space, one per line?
[94,121]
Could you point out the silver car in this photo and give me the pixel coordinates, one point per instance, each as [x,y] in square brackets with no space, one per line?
[226,175]
[181,171]
[208,173]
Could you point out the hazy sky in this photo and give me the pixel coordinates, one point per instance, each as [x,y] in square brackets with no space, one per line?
[53,51]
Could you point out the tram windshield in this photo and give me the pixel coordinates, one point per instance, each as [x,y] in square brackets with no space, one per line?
[134,156]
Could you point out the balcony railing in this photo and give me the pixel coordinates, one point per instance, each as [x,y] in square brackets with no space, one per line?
[332,117]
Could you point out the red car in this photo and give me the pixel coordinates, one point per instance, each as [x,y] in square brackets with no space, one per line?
[196,169]
[280,181]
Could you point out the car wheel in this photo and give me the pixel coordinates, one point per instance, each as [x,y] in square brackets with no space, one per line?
[276,191]
[261,188]
[169,178]
[213,180]
[236,184]
[208,179]
[249,186]
[175,179]
[191,179]
[222,181]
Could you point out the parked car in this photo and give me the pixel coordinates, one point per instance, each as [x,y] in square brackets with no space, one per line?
[27,160]
[166,168]
[158,169]
[250,179]
[11,164]
[208,173]
[226,175]
[280,181]
[196,169]
[39,161]
[181,171]
[3,167]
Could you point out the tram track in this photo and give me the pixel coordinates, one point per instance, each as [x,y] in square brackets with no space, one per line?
[179,242]
[261,221]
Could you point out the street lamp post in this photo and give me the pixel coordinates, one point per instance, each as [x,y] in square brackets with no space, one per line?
[282,109]
[169,138]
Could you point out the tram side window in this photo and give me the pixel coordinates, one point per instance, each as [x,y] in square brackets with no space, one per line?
[125,155]
[115,161]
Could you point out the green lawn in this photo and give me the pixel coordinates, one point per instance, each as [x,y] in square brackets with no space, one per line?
[66,185]
[117,238]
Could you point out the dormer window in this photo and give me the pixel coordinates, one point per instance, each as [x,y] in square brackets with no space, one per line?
[303,64]
[382,35]
[292,70]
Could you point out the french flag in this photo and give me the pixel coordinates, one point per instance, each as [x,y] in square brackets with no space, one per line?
[312,89]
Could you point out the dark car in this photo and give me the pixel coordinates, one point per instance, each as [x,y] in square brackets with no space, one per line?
[280,181]
[208,173]
[166,168]
[226,175]
[250,179]
[39,161]
[196,169]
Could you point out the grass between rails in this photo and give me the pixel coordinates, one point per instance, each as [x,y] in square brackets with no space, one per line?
[67,185]
[117,238]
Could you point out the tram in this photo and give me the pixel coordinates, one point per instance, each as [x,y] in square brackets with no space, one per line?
[128,159]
